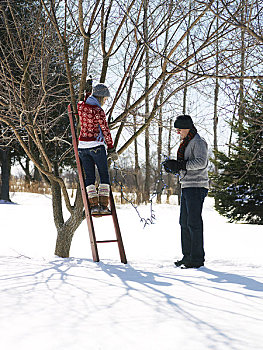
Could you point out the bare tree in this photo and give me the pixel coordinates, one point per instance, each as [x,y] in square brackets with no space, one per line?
[108,39]
[230,13]
[32,105]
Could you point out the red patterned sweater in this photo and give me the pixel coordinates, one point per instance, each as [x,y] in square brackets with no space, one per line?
[91,117]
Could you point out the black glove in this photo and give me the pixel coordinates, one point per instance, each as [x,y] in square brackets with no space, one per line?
[173,166]
[112,154]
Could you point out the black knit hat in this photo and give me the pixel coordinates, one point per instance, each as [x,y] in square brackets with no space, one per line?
[183,122]
[101,90]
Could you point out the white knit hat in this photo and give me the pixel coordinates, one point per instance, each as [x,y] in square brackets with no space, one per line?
[101,90]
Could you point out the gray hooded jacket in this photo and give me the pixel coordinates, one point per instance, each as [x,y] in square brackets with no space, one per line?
[196,156]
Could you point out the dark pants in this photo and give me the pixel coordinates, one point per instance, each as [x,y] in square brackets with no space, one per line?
[91,156]
[191,222]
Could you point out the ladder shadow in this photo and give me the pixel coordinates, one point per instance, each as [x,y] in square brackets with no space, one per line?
[127,273]
[141,281]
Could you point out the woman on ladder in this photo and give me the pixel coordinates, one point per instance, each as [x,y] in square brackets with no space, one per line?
[94,137]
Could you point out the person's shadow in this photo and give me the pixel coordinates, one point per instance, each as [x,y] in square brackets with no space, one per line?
[226,277]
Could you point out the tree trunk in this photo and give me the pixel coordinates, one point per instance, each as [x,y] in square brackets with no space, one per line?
[215,123]
[104,69]
[5,173]
[241,111]
[159,153]
[26,169]
[147,108]
[160,124]
[169,177]
[187,54]
[65,230]
[63,243]
[36,175]
[137,167]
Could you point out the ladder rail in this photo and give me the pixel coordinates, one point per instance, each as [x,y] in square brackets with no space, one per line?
[117,229]
[88,215]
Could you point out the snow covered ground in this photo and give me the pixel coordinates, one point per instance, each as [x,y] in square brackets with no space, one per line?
[51,303]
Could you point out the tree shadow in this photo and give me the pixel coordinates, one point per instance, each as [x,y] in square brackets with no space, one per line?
[156,290]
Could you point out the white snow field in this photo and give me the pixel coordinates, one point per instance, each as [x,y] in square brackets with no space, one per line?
[51,303]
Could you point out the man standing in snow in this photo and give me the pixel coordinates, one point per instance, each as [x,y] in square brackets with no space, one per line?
[191,165]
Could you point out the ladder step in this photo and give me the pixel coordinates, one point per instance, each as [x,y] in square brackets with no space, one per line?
[100,215]
[107,241]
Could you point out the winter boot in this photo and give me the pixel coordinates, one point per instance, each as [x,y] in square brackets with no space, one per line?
[185,260]
[93,199]
[104,194]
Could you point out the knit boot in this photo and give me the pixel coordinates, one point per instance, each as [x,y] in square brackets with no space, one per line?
[104,194]
[93,199]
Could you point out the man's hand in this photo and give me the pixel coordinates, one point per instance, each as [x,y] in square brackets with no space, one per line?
[173,166]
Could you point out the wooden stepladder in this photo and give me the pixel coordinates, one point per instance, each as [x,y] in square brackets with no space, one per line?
[89,218]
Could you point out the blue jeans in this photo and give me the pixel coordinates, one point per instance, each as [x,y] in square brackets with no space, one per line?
[191,222]
[89,158]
